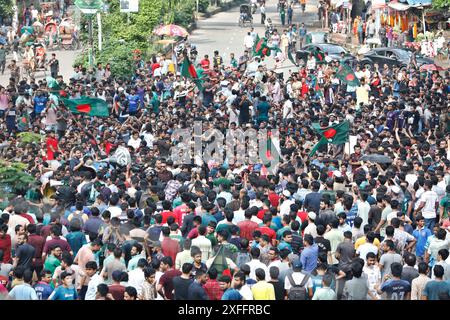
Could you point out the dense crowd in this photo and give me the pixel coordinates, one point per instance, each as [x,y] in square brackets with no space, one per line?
[326,227]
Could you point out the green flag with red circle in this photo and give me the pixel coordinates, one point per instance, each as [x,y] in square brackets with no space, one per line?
[335,134]
[347,76]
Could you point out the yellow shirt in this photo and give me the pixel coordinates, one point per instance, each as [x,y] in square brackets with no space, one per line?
[362,240]
[263,291]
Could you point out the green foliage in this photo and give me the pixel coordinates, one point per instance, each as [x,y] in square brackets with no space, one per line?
[14,177]
[6,8]
[138,27]
[30,137]
[439,4]
[184,14]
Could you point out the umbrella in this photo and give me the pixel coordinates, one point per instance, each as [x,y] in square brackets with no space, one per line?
[377,158]
[171,30]
[431,67]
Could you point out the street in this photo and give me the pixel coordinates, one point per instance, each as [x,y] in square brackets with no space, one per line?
[221,32]
[65,57]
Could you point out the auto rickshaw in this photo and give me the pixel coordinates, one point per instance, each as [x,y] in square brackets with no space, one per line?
[66,29]
[245,15]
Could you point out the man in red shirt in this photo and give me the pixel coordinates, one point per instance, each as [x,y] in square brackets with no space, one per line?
[166,213]
[205,63]
[169,246]
[5,244]
[52,145]
[37,242]
[55,233]
[265,228]
[165,282]
[273,197]
[212,286]
[183,209]
[247,226]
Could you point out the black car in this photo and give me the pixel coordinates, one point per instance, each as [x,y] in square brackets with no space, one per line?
[393,57]
[332,50]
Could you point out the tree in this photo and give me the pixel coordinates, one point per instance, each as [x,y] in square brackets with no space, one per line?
[14,179]
[6,8]
[439,4]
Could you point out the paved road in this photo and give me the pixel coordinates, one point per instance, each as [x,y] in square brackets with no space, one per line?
[221,32]
[66,59]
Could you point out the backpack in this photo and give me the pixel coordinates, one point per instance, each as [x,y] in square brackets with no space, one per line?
[298,292]
[242,258]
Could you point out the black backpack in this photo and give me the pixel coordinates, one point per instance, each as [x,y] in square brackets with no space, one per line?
[298,292]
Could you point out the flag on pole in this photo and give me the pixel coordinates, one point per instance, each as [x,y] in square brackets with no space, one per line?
[188,71]
[347,76]
[93,107]
[335,134]
[291,58]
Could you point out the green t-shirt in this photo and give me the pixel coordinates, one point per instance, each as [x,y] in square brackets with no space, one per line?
[51,263]
[224,226]
[222,181]
[211,237]
[445,202]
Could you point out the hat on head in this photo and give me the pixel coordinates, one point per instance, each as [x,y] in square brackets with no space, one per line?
[297,264]
[286,193]
[395,189]
[312,215]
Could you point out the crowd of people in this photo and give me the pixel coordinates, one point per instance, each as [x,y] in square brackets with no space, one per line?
[330,226]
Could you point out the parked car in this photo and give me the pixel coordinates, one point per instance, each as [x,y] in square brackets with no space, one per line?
[393,57]
[317,37]
[333,52]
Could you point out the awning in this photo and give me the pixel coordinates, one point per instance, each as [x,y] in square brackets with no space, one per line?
[398,6]
[378,4]
[419,3]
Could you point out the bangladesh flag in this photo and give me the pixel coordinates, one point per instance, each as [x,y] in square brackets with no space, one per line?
[260,46]
[188,71]
[346,75]
[93,107]
[319,55]
[291,58]
[335,134]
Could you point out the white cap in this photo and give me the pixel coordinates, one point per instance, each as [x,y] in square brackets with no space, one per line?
[286,193]
[337,173]
[395,189]
[312,215]
[371,126]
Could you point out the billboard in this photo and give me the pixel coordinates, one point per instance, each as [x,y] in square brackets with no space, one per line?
[129,6]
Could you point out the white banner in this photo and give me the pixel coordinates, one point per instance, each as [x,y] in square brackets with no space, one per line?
[129,6]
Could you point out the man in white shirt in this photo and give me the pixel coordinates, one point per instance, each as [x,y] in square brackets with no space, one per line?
[248,41]
[255,263]
[136,277]
[285,207]
[95,280]
[428,204]
[367,247]
[288,110]
[203,243]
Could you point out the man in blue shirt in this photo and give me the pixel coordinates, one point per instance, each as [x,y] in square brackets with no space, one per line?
[230,293]
[437,289]
[24,291]
[40,102]
[421,234]
[312,199]
[133,102]
[196,290]
[310,253]
[395,288]
[43,288]
[65,292]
